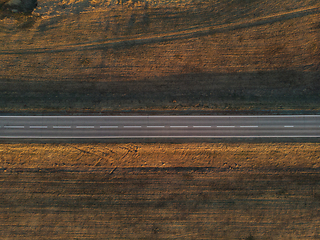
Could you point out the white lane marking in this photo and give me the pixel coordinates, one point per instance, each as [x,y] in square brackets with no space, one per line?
[108,126]
[132,126]
[152,116]
[248,126]
[288,126]
[38,126]
[202,126]
[84,126]
[61,126]
[13,126]
[155,126]
[178,126]
[226,116]
[225,126]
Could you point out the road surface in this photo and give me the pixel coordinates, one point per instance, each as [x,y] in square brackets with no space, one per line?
[159,126]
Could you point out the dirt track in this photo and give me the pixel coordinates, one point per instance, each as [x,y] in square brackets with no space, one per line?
[181,34]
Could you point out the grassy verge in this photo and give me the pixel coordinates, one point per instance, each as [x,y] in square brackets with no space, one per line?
[236,156]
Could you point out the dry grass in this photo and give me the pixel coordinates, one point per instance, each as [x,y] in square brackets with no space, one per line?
[239,156]
[84,61]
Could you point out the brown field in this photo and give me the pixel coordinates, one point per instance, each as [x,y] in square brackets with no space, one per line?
[98,56]
[160,191]
[223,55]
[152,205]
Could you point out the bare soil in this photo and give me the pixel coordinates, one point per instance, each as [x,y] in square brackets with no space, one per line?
[171,204]
[152,190]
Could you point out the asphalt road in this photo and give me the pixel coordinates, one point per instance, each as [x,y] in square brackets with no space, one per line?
[159,126]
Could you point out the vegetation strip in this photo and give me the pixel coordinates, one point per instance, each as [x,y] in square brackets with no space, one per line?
[209,155]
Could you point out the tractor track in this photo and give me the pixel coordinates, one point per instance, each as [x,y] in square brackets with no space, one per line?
[177,35]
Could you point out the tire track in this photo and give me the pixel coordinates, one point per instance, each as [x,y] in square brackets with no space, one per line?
[180,35]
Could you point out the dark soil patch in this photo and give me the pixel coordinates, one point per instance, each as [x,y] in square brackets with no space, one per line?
[277,90]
